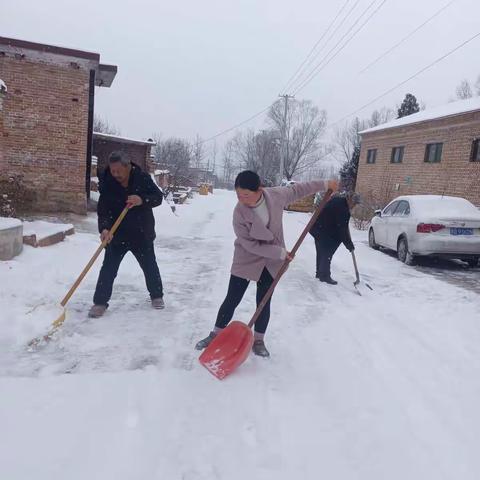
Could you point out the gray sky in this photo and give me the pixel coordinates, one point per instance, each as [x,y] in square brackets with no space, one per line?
[201,66]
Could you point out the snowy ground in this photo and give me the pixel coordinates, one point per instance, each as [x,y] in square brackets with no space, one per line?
[383,386]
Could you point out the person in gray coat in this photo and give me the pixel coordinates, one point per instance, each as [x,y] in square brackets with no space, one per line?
[259,248]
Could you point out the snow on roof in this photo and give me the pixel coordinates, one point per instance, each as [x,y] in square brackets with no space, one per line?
[6,223]
[3,85]
[447,110]
[121,139]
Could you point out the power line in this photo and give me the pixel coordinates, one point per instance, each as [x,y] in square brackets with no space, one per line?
[438,12]
[319,67]
[300,68]
[438,60]
[236,126]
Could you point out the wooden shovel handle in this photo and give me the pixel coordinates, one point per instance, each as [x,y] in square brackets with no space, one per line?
[284,267]
[94,257]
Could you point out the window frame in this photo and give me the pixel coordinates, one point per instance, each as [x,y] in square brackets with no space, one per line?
[400,148]
[369,162]
[475,154]
[437,156]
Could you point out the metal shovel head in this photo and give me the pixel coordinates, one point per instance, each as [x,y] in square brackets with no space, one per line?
[228,350]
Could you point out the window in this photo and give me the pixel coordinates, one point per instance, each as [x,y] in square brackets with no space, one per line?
[390,209]
[372,155]
[433,152]
[476,151]
[397,155]
[402,210]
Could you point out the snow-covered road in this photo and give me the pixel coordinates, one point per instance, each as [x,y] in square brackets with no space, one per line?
[383,386]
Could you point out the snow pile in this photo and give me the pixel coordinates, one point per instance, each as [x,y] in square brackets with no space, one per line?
[3,86]
[42,229]
[6,223]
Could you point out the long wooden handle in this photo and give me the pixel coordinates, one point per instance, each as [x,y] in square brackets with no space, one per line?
[357,274]
[284,267]
[94,257]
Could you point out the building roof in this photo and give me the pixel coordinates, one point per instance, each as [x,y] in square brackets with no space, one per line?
[435,113]
[104,73]
[119,139]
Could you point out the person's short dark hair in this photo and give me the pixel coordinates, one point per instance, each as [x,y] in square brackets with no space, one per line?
[248,180]
[118,157]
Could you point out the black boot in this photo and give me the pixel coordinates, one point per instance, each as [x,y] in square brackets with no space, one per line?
[328,280]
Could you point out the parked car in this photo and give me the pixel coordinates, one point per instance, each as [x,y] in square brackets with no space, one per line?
[431,225]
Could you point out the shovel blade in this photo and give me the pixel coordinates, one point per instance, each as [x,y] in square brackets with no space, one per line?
[228,350]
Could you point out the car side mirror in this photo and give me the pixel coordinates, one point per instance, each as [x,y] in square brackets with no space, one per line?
[378,213]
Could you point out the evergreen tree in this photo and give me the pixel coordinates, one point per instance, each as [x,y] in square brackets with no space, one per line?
[349,170]
[408,106]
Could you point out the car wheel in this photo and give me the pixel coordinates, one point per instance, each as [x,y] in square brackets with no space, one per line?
[403,253]
[371,240]
[473,262]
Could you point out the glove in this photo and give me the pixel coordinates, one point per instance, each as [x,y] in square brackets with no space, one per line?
[351,248]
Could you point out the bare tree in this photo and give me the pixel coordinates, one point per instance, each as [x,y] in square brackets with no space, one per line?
[259,152]
[477,86]
[464,90]
[302,129]
[175,155]
[198,152]
[228,162]
[103,126]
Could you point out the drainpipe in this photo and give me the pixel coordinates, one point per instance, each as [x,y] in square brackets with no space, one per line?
[91,99]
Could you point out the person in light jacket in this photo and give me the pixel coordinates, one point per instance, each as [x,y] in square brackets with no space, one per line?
[259,248]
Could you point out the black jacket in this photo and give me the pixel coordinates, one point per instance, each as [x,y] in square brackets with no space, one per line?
[139,223]
[332,223]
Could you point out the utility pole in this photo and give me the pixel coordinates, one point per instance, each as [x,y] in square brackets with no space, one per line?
[283,157]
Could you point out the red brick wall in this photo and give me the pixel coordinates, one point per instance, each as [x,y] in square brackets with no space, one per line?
[139,154]
[455,175]
[44,131]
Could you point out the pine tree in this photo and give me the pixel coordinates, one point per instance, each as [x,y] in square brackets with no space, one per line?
[349,170]
[408,106]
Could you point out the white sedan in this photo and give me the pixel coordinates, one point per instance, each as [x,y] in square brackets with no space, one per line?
[433,225]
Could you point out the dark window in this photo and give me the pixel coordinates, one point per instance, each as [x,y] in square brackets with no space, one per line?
[476,151]
[390,209]
[397,155]
[372,155]
[433,152]
[402,210]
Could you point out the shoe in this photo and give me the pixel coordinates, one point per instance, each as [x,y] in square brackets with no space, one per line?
[204,343]
[260,349]
[158,303]
[97,311]
[328,280]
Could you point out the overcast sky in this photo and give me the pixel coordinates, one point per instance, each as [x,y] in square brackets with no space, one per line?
[201,66]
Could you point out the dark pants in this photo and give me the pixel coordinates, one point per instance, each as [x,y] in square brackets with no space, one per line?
[326,248]
[114,253]
[236,289]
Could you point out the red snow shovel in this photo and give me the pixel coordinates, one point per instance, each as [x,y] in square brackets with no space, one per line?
[231,347]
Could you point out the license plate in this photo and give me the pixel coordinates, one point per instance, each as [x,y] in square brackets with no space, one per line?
[461,231]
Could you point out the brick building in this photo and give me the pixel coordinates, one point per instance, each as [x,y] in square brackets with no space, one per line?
[138,151]
[435,151]
[46,124]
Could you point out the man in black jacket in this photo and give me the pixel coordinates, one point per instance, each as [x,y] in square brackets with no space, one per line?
[125,183]
[330,230]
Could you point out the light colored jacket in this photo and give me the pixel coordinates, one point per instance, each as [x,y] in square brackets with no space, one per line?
[258,246]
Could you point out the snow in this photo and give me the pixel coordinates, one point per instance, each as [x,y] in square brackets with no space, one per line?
[3,86]
[42,229]
[447,110]
[383,386]
[443,205]
[123,139]
[6,223]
